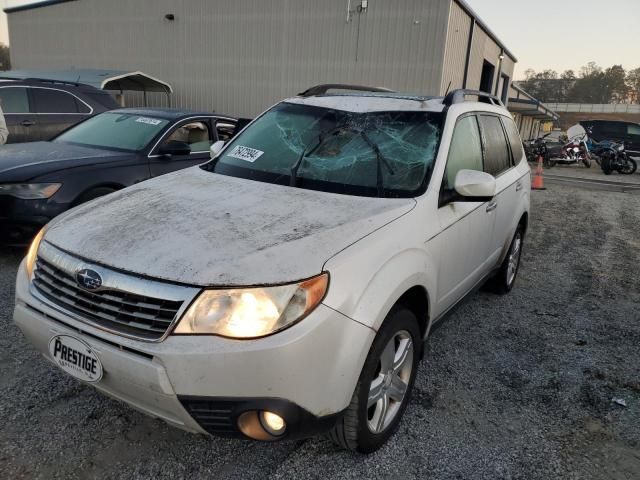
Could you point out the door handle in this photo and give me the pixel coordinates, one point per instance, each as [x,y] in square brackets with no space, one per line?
[492,206]
[27,123]
[518,186]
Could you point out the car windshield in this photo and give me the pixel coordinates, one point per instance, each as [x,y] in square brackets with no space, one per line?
[386,154]
[120,131]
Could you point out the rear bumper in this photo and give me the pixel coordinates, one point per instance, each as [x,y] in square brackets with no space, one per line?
[306,374]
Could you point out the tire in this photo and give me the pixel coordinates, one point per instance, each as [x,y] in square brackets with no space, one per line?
[549,163]
[504,280]
[357,430]
[629,168]
[606,166]
[93,194]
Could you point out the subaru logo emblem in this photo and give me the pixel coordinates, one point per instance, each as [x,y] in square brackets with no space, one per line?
[89,279]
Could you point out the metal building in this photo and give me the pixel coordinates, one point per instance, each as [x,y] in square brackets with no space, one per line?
[242,56]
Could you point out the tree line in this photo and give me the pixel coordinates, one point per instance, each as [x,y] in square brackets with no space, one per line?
[593,84]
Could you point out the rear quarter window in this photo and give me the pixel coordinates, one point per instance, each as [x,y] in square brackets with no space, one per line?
[514,139]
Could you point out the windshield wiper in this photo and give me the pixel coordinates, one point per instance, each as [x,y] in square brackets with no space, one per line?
[293,182]
[380,159]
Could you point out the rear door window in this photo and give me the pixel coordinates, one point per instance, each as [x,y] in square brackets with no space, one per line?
[53,101]
[496,159]
[515,141]
[14,100]
[465,152]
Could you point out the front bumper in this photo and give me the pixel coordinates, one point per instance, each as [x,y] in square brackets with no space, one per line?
[306,373]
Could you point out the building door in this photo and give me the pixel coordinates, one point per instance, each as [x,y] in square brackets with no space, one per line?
[486,80]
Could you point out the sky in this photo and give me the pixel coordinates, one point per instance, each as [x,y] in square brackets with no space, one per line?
[555,34]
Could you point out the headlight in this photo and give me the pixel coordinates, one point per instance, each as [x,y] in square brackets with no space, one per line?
[33,251]
[30,191]
[252,312]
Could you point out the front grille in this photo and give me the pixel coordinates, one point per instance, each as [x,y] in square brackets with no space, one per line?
[214,416]
[123,312]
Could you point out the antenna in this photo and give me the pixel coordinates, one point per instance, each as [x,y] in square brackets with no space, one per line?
[448,87]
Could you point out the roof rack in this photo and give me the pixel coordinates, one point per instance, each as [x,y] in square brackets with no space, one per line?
[41,80]
[323,89]
[458,96]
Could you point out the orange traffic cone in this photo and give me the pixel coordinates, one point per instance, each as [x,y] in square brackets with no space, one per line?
[538,180]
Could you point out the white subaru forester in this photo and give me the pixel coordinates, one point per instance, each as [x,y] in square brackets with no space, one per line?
[285,288]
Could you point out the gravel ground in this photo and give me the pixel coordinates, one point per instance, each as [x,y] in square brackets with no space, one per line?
[515,387]
[593,173]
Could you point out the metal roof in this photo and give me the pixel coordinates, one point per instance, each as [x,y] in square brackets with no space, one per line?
[529,105]
[32,5]
[103,79]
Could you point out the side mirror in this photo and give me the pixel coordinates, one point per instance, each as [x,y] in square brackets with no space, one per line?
[475,186]
[175,148]
[216,148]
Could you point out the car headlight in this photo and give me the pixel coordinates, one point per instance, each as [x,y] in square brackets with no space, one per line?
[30,191]
[33,251]
[252,312]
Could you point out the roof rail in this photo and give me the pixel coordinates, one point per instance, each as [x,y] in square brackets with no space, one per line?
[323,89]
[458,96]
[41,80]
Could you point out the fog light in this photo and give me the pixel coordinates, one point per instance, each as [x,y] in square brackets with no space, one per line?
[273,423]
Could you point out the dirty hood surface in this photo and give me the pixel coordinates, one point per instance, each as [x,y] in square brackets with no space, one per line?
[23,161]
[201,228]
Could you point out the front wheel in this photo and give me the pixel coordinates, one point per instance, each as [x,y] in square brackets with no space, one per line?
[628,167]
[384,386]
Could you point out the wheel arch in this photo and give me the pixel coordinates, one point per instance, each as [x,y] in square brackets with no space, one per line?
[112,185]
[407,277]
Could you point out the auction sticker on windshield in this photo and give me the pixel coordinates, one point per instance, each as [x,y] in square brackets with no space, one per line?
[148,121]
[245,153]
[76,358]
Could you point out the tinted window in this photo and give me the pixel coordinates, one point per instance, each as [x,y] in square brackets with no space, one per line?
[465,152]
[82,107]
[336,150]
[115,130]
[514,139]
[633,130]
[14,100]
[103,98]
[496,158]
[53,101]
[611,130]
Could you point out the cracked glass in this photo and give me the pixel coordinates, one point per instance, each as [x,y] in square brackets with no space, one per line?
[371,154]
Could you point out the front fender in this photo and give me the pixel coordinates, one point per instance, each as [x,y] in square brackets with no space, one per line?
[366,290]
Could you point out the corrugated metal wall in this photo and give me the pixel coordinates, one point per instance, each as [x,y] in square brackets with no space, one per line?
[240,56]
[483,48]
[455,54]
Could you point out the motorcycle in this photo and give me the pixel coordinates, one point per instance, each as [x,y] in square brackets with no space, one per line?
[575,151]
[613,157]
[536,148]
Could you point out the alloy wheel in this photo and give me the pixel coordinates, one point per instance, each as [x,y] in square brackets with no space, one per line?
[389,386]
[514,258]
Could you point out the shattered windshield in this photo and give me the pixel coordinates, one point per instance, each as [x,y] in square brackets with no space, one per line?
[386,154]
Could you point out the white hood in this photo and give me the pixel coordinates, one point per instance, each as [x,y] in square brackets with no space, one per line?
[200,228]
